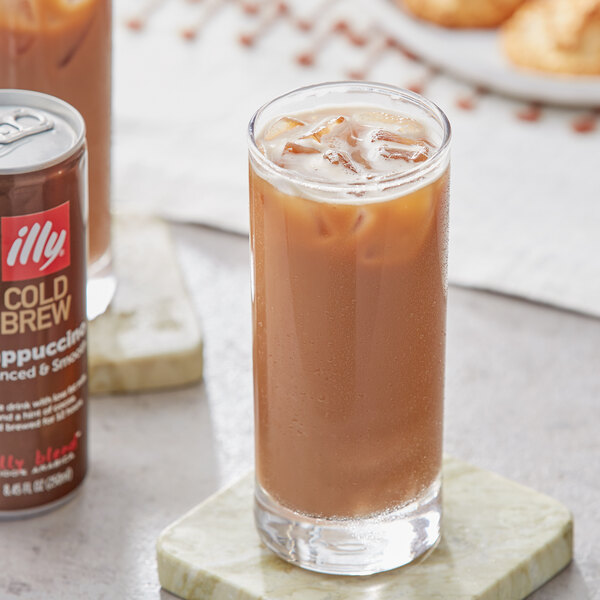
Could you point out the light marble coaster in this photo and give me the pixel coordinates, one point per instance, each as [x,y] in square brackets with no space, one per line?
[500,541]
[150,337]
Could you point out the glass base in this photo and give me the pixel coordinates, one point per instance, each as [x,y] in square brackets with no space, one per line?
[351,546]
[101,285]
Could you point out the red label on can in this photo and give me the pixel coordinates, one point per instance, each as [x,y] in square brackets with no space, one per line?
[35,245]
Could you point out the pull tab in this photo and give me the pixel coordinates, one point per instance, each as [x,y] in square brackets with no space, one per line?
[12,130]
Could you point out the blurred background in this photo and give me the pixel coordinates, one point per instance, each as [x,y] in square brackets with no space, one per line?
[524,217]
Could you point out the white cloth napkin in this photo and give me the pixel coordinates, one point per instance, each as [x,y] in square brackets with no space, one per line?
[525,196]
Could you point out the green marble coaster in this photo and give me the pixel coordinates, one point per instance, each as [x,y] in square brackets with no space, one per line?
[149,338]
[500,541]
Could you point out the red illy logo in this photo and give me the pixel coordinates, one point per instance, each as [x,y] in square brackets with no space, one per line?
[35,245]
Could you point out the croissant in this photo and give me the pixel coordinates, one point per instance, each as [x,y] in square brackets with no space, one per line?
[463,13]
[559,36]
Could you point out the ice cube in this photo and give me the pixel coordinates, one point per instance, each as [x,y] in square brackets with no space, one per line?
[402,125]
[353,135]
[339,221]
[414,153]
[23,10]
[74,42]
[325,128]
[295,148]
[375,117]
[390,136]
[282,126]
[22,14]
[361,160]
[360,220]
[339,157]
[322,227]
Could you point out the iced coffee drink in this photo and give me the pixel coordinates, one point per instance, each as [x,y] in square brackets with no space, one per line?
[63,48]
[349,212]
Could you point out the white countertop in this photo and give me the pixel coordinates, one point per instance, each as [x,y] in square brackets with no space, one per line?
[523,383]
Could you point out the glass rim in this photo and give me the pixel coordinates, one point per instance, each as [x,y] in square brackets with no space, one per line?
[379,183]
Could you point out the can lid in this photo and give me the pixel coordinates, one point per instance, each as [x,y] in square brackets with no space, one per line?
[36,131]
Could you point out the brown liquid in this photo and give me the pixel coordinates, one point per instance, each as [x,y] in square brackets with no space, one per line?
[63,48]
[349,336]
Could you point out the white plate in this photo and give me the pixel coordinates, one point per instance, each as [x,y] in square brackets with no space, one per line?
[476,56]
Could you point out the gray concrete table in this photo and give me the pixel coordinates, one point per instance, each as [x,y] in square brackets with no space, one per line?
[523,399]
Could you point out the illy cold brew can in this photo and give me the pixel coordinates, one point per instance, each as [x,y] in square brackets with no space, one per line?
[43,329]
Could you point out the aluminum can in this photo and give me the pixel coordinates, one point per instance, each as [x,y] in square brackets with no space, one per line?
[43,328]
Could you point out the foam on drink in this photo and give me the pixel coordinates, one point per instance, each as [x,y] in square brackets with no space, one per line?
[346,145]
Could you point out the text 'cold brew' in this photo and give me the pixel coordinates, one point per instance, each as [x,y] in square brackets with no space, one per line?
[43,329]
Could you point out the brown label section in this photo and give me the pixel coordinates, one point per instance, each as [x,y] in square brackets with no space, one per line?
[43,337]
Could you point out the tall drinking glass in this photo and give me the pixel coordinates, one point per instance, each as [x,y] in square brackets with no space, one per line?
[349,236]
[63,48]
